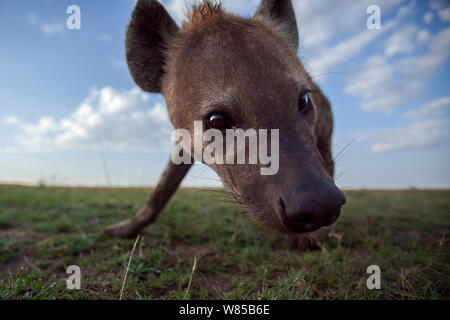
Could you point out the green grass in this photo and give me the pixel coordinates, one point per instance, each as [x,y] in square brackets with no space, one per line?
[44,230]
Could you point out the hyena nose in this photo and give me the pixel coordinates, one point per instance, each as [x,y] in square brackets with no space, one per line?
[307,211]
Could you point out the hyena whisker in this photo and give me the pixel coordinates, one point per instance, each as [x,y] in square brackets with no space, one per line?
[317,76]
[204,178]
[344,172]
[343,149]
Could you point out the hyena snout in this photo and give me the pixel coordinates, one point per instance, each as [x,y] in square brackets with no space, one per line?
[311,205]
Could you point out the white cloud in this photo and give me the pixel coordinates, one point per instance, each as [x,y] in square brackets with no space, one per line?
[385,85]
[32,19]
[379,86]
[407,10]
[445,15]
[405,40]
[159,113]
[105,38]
[419,134]
[118,120]
[319,26]
[343,51]
[11,120]
[47,28]
[430,128]
[322,22]
[245,8]
[119,63]
[423,36]
[443,9]
[434,109]
[388,80]
[53,28]
[438,53]
[428,17]
[179,8]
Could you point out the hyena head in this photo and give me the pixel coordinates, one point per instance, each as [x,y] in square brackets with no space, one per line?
[226,72]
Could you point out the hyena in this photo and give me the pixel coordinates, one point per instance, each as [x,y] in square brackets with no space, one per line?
[230,72]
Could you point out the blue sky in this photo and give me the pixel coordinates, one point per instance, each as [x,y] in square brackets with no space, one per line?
[68,103]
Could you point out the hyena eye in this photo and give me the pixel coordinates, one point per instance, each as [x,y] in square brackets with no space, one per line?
[304,103]
[217,121]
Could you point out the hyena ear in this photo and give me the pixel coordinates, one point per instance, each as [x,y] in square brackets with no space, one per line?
[281,16]
[150,30]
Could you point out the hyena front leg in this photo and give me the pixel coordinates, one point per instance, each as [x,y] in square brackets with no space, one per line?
[168,184]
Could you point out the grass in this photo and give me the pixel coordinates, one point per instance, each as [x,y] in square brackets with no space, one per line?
[43,230]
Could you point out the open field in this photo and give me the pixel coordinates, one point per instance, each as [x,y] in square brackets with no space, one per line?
[43,230]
